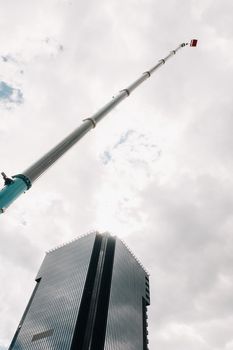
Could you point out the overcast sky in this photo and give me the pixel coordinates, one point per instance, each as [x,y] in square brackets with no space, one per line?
[157,171]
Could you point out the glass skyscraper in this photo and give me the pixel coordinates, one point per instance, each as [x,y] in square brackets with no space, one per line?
[90,294]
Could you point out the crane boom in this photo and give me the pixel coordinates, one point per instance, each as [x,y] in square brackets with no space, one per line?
[16,185]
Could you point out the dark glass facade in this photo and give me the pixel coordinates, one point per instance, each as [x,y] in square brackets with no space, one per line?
[125,314]
[90,294]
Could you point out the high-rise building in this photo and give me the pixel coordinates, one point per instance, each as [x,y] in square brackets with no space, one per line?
[90,294]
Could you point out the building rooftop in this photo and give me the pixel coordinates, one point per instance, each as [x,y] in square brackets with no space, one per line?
[92,232]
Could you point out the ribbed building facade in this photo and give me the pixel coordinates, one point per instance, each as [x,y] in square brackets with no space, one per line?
[90,294]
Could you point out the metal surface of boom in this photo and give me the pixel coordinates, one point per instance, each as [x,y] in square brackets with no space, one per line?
[18,184]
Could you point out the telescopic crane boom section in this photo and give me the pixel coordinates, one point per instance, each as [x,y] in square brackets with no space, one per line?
[16,185]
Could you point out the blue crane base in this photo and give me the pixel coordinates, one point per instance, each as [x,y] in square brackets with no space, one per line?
[12,190]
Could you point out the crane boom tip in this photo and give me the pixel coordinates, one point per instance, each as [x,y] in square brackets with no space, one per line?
[193,42]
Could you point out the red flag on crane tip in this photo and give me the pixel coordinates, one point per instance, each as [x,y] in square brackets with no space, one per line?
[193,43]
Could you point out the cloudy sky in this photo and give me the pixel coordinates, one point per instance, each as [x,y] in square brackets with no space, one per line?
[157,171]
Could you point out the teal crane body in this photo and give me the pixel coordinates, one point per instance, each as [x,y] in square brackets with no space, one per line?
[11,191]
